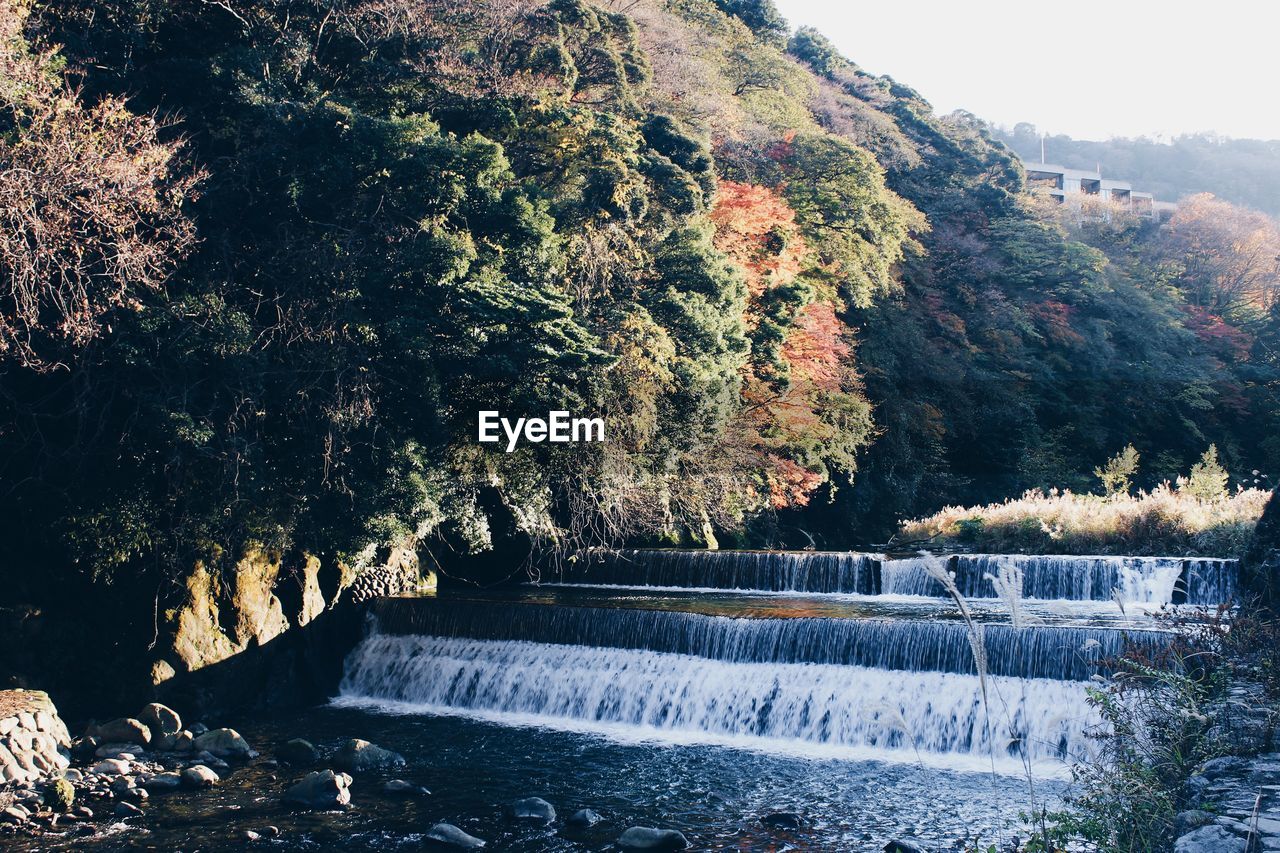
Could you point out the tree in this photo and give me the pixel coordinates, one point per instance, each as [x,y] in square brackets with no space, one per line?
[91,204]
[1117,474]
[1208,479]
[1228,257]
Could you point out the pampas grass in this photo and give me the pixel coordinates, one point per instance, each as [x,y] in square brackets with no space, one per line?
[1161,522]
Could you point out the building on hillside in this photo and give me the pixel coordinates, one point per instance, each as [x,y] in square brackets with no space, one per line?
[1076,186]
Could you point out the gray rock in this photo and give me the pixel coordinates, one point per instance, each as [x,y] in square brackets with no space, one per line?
[197,729]
[199,776]
[450,835]
[399,786]
[1216,767]
[160,719]
[126,809]
[118,750]
[210,760]
[111,767]
[72,775]
[165,781]
[225,743]
[322,789]
[122,730]
[584,817]
[1209,839]
[250,835]
[782,820]
[183,741]
[899,845]
[1186,821]
[648,838]
[358,755]
[534,809]
[13,814]
[298,751]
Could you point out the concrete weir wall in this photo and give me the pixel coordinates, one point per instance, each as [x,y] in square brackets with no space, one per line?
[33,739]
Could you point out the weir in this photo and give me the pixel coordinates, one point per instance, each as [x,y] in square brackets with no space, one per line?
[847,654]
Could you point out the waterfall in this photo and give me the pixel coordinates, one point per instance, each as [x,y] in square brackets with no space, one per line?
[792,571]
[923,713]
[1074,653]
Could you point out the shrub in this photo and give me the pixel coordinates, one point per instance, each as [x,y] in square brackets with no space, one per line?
[1208,480]
[1117,474]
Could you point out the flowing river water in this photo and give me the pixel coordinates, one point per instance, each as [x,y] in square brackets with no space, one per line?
[703,690]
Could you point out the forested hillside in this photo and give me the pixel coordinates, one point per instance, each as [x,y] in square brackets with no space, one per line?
[264,262]
[1242,171]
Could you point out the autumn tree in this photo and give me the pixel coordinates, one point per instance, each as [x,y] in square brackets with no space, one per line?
[90,204]
[1228,257]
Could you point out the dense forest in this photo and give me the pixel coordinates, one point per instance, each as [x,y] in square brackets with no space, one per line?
[1241,171]
[263,263]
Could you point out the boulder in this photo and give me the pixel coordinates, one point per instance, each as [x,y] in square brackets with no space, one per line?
[584,817]
[165,781]
[358,755]
[183,741]
[111,767]
[225,743]
[14,814]
[199,776]
[160,719]
[899,845]
[782,820]
[1209,839]
[533,809]
[208,759]
[648,838]
[450,836]
[320,790]
[121,730]
[399,786]
[118,750]
[126,809]
[298,751]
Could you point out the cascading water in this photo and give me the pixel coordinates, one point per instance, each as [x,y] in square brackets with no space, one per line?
[843,707]
[652,644]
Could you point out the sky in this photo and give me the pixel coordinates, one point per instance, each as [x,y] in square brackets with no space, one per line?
[1086,68]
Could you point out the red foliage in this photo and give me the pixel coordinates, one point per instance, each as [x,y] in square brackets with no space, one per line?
[757,229]
[1224,340]
[817,348]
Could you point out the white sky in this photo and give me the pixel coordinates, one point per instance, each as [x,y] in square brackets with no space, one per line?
[1089,68]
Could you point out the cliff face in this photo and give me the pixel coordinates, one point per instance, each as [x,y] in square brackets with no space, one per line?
[1261,566]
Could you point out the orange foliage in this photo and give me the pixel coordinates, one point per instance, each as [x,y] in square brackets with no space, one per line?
[816,348]
[757,229]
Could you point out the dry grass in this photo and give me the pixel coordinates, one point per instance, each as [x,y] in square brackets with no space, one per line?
[1164,522]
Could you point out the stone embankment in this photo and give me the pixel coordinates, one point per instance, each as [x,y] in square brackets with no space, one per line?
[34,742]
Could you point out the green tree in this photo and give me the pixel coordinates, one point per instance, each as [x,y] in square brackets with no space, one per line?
[1117,474]
[1208,479]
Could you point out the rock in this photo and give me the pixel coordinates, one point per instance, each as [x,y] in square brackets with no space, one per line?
[183,741]
[898,845]
[118,750]
[83,812]
[210,760]
[1209,839]
[225,743]
[165,781]
[111,767]
[199,776]
[533,809]
[450,835]
[322,789]
[584,817]
[126,809]
[399,786]
[122,730]
[160,719]
[13,814]
[358,755]
[73,775]
[648,838]
[198,729]
[782,820]
[298,751]
[1186,821]
[250,835]
[1217,767]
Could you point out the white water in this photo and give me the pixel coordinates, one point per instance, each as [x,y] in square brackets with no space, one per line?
[830,710]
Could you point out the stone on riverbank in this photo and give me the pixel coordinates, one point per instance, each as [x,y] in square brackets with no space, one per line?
[111,767]
[199,776]
[534,809]
[1209,839]
[450,835]
[399,786]
[126,809]
[160,719]
[34,742]
[648,838]
[225,743]
[320,790]
[298,751]
[358,755]
[121,730]
[584,817]
[165,781]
